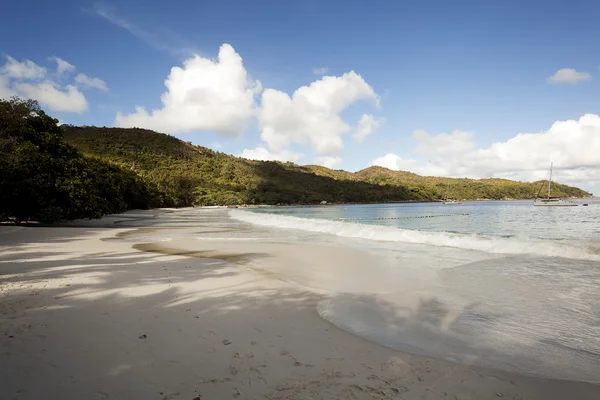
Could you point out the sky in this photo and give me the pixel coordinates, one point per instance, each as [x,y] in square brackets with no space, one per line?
[462,89]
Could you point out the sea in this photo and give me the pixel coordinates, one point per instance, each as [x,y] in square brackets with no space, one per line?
[497,284]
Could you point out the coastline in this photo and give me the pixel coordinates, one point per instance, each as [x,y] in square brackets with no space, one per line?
[85,314]
[93,222]
[383,202]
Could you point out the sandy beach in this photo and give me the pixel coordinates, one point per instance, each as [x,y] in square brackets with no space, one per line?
[108,310]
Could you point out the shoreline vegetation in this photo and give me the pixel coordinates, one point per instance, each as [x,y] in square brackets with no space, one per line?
[53,173]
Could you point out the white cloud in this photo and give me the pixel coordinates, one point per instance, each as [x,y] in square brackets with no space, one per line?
[214,95]
[22,70]
[568,75]
[456,142]
[394,162]
[62,66]
[366,126]
[29,80]
[261,153]
[320,71]
[570,144]
[219,96]
[56,98]
[573,146]
[5,91]
[329,162]
[312,115]
[88,82]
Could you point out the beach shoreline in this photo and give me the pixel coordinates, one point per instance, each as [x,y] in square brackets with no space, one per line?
[86,314]
[379,203]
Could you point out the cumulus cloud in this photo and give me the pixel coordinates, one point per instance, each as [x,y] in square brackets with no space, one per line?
[204,94]
[27,79]
[366,125]
[56,98]
[263,154]
[88,82]
[573,146]
[329,162]
[62,66]
[320,71]
[568,75]
[395,162]
[311,116]
[5,91]
[25,70]
[456,142]
[219,96]
[570,144]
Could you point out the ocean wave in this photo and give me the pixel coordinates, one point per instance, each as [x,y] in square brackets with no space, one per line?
[485,243]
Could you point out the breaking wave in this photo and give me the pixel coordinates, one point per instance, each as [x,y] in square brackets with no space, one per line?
[485,243]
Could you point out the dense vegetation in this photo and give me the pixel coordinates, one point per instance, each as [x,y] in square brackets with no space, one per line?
[45,179]
[194,175]
[51,173]
[470,189]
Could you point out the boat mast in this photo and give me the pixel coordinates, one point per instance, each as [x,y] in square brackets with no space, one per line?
[549,180]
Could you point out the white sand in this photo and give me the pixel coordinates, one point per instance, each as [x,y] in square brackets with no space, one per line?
[84,316]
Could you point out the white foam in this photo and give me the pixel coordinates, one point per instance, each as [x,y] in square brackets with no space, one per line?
[490,244]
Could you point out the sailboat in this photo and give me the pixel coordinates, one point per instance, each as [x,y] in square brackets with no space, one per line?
[450,201]
[552,201]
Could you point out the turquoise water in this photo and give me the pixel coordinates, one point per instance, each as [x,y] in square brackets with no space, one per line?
[499,284]
[496,227]
[496,218]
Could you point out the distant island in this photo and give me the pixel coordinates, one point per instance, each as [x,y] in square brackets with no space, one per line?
[66,172]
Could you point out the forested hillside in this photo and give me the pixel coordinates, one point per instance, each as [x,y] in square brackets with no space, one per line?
[42,178]
[51,173]
[194,175]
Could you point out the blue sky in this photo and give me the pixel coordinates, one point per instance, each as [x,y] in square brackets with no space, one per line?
[468,73]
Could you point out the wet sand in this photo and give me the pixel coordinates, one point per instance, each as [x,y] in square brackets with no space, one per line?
[90,312]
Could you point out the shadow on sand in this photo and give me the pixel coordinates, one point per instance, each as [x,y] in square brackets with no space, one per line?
[158,326]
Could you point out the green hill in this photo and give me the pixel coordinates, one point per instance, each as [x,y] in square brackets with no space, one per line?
[45,179]
[195,175]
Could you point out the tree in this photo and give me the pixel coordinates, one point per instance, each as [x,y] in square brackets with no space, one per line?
[45,179]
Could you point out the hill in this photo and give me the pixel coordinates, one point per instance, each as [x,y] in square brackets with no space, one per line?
[45,179]
[195,175]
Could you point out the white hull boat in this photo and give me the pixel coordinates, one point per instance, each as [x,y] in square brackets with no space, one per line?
[553,201]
